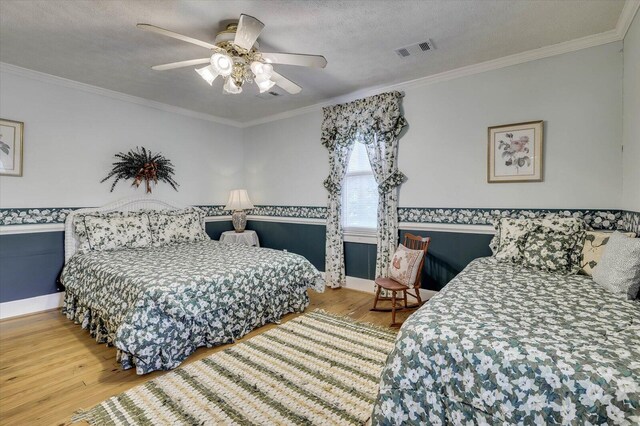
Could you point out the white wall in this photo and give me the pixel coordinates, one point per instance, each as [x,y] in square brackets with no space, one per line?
[285,164]
[578,95]
[71,137]
[631,119]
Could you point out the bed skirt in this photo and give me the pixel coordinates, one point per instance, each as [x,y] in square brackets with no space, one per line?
[190,333]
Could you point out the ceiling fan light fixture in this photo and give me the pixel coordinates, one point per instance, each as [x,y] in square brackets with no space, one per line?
[231,87]
[208,74]
[235,56]
[222,64]
[264,83]
[261,68]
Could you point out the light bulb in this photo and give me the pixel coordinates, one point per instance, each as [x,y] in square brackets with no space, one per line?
[260,68]
[231,87]
[222,64]
[267,69]
[207,73]
[264,83]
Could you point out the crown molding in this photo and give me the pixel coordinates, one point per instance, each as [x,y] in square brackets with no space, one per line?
[627,15]
[629,11]
[494,64]
[60,81]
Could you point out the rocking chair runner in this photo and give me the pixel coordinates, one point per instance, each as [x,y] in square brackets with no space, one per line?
[412,242]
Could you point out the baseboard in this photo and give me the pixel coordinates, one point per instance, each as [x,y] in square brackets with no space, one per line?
[32,305]
[367,286]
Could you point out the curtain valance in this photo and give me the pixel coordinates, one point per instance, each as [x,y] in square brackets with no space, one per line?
[363,120]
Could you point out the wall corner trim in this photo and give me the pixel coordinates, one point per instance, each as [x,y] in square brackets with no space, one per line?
[569,46]
[629,11]
[32,305]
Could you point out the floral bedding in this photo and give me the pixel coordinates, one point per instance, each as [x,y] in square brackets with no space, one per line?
[502,344]
[158,304]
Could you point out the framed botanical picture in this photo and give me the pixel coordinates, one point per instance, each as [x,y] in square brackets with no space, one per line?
[515,152]
[11,147]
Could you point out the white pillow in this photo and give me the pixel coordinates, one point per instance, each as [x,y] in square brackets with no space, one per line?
[594,244]
[619,267]
[179,226]
[405,265]
[113,233]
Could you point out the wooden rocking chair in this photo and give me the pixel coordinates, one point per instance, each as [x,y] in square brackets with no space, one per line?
[412,242]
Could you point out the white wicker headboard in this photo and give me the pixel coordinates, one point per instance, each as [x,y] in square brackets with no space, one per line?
[124,205]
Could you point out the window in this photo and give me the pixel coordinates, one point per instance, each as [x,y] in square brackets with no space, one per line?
[360,192]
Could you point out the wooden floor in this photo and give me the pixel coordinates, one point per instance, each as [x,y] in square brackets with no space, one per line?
[50,367]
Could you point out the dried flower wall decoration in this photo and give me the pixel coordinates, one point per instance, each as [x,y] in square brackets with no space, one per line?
[142,165]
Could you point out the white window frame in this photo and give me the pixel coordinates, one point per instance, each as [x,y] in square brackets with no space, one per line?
[357,234]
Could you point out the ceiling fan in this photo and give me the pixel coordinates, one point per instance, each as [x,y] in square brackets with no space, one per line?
[235,57]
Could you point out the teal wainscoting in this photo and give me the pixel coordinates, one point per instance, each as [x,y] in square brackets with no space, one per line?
[448,254]
[214,229]
[360,260]
[30,264]
[307,240]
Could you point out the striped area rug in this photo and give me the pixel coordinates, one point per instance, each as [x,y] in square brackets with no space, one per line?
[315,369]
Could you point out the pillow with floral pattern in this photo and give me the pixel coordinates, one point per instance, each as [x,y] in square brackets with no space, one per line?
[177,226]
[510,235]
[80,230]
[113,233]
[555,245]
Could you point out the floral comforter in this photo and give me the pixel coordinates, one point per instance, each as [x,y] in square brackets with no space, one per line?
[506,345]
[157,305]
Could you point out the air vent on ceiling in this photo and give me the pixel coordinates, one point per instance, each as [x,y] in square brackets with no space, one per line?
[424,46]
[268,95]
[414,49]
[403,52]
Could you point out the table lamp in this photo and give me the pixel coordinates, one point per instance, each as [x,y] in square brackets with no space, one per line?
[238,202]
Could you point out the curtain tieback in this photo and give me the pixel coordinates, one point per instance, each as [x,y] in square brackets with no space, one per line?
[331,186]
[392,181]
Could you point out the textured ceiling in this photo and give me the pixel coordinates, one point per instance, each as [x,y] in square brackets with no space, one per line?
[97,42]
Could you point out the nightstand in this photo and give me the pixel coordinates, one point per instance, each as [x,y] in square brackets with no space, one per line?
[249,238]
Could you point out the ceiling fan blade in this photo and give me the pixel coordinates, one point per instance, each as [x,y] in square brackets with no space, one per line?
[285,83]
[181,64]
[249,28]
[316,61]
[158,30]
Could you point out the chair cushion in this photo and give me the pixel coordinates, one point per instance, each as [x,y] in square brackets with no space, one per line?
[405,265]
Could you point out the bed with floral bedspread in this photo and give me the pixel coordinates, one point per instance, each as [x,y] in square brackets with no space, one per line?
[158,304]
[502,344]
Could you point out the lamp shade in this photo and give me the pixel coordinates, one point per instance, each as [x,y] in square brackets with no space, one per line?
[238,200]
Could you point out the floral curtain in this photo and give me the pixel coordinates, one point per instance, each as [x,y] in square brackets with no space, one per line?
[377,122]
